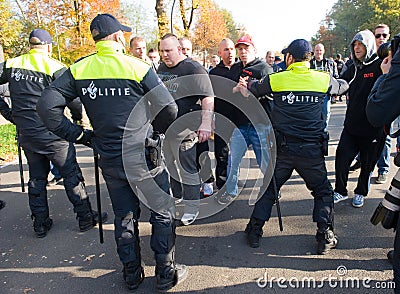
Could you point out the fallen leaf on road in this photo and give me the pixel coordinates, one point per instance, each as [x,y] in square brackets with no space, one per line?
[90,257]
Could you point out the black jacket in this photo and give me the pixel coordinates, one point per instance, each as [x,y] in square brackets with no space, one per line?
[383,104]
[255,70]
[27,75]
[121,95]
[361,77]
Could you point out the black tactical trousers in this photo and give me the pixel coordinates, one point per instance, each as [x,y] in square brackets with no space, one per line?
[126,207]
[64,159]
[308,161]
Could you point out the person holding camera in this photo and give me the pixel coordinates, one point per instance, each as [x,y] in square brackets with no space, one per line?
[358,135]
[382,109]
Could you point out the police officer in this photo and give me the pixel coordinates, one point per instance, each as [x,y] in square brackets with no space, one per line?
[27,76]
[111,85]
[299,129]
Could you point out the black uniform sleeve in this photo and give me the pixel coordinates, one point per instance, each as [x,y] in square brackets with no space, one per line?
[383,104]
[163,108]
[5,110]
[337,86]
[260,88]
[75,106]
[3,74]
[52,103]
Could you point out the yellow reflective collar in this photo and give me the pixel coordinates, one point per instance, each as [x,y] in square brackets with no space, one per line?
[36,60]
[110,63]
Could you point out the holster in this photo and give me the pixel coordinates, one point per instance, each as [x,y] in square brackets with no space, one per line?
[155,146]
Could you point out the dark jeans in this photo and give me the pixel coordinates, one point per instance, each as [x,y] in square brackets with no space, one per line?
[221,151]
[308,161]
[124,201]
[348,147]
[64,159]
[203,162]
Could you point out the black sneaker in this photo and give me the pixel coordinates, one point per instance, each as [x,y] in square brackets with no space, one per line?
[355,166]
[326,242]
[2,204]
[54,181]
[133,275]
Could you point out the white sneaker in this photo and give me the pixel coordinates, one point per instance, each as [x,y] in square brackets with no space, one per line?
[188,218]
[339,197]
[208,189]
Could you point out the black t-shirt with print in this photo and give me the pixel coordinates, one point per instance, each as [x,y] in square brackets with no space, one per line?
[188,82]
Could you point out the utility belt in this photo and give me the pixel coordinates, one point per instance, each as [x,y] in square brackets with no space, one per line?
[283,141]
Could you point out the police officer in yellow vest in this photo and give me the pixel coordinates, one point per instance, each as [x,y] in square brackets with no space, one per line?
[298,94]
[122,95]
[27,76]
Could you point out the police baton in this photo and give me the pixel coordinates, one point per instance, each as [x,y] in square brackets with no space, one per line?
[97,180]
[278,208]
[21,168]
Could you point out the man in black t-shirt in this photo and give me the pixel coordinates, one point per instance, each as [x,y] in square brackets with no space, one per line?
[188,82]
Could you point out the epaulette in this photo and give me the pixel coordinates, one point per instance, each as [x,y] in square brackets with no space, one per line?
[81,58]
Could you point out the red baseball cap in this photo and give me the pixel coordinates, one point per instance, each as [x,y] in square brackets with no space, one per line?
[246,39]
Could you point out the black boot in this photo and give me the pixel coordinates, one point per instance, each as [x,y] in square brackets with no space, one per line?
[41,224]
[133,274]
[169,273]
[254,232]
[326,241]
[87,217]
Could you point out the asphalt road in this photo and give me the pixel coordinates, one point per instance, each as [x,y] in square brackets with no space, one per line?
[214,248]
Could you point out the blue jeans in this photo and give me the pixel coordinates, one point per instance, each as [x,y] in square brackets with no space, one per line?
[242,138]
[54,171]
[383,163]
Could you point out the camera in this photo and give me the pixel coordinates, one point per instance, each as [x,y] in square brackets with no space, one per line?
[387,212]
[393,45]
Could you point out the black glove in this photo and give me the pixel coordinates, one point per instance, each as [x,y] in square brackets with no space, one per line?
[85,138]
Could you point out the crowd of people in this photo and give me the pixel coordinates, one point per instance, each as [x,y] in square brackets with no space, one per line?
[181,105]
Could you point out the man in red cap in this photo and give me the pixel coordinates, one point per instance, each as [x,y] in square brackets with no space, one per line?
[246,132]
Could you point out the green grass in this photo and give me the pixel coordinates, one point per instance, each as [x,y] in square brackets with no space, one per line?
[8,144]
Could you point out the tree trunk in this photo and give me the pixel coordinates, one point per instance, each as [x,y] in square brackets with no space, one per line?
[162,18]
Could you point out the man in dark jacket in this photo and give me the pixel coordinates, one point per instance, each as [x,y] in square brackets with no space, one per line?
[122,95]
[222,108]
[358,134]
[27,76]
[298,94]
[246,132]
[383,107]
